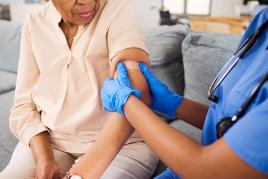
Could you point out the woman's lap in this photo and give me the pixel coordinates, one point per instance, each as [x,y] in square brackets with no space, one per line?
[134,161]
[22,163]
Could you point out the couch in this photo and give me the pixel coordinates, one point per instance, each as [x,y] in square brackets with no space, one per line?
[186,61]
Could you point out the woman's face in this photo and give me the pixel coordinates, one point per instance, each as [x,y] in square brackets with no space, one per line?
[77,12]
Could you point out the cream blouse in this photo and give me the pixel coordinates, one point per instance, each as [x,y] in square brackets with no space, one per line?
[58,88]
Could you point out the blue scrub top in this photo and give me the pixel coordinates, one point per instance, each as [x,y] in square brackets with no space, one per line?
[248,138]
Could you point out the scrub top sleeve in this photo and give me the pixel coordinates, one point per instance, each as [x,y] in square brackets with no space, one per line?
[248,138]
[167,174]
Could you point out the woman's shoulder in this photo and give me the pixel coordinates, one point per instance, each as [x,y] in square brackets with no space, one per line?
[38,16]
[41,18]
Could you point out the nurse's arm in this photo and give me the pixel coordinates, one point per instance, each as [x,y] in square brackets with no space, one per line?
[182,154]
[116,130]
[192,112]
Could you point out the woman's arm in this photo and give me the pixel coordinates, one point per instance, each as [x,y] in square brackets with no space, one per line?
[125,42]
[109,142]
[46,166]
[182,154]
[116,131]
[25,120]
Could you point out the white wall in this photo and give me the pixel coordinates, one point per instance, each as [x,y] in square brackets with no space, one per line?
[19,12]
[219,8]
[147,12]
[224,7]
[11,1]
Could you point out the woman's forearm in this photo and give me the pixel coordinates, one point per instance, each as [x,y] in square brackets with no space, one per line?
[41,148]
[111,139]
[192,112]
[113,136]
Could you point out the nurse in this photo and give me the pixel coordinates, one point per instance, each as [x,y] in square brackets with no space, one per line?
[235,125]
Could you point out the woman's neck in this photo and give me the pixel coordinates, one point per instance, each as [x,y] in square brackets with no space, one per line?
[69,31]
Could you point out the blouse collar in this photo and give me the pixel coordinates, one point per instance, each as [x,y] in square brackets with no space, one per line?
[56,16]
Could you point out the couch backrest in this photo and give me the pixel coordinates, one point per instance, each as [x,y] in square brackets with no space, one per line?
[204,54]
[164,44]
[10,33]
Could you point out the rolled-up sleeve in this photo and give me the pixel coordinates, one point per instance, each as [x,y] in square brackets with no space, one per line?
[124,32]
[25,119]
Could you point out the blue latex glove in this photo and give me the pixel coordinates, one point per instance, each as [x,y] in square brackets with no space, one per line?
[115,92]
[163,100]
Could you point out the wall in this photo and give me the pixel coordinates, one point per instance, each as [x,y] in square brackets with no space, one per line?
[224,7]
[219,8]
[11,1]
[147,12]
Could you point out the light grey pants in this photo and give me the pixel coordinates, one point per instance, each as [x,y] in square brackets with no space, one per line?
[134,161]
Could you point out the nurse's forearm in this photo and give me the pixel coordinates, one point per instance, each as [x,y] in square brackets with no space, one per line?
[192,112]
[174,148]
[181,153]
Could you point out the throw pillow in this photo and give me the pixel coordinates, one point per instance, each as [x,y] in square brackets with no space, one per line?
[204,54]
[9,45]
[164,44]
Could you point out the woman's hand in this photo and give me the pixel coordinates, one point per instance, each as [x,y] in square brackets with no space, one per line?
[115,93]
[47,170]
[163,100]
[46,166]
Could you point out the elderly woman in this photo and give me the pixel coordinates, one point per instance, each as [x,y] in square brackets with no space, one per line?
[67,50]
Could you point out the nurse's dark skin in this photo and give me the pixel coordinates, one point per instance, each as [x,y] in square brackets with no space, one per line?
[186,157]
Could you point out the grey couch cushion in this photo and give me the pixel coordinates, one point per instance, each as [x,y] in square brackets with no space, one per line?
[9,46]
[187,129]
[164,44]
[7,81]
[8,141]
[204,54]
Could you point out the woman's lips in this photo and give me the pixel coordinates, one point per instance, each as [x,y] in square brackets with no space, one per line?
[84,14]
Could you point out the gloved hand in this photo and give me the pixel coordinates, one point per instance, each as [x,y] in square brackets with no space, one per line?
[163,100]
[115,92]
